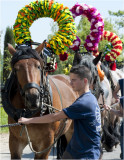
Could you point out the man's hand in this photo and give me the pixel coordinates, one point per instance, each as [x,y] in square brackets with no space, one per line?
[107,107]
[24,120]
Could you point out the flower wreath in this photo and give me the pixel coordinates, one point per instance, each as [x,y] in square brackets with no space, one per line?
[97,24]
[46,8]
[116,44]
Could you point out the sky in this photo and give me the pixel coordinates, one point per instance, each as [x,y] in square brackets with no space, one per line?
[41,28]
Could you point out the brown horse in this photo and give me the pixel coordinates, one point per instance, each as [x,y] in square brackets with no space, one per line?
[27,97]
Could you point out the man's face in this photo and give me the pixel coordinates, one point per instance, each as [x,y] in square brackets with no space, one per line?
[76,83]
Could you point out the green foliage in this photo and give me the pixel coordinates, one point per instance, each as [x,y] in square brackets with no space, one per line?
[3,120]
[9,38]
[119,18]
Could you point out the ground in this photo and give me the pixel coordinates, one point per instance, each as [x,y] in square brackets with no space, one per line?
[27,155]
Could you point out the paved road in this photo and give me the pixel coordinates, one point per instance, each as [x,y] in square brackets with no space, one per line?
[27,155]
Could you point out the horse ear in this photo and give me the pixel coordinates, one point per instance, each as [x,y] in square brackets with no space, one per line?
[97,59]
[40,47]
[77,59]
[11,49]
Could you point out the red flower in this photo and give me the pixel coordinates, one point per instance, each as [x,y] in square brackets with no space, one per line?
[63,57]
[107,58]
[113,66]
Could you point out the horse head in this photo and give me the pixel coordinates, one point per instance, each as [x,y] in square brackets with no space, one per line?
[87,59]
[28,68]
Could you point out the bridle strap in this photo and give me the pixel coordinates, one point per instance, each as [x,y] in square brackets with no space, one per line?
[30,85]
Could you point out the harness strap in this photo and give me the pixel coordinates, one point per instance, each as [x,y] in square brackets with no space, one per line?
[55,140]
[58,92]
[103,99]
[28,86]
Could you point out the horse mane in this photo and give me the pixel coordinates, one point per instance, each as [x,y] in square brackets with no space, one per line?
[106,71]
[87,60]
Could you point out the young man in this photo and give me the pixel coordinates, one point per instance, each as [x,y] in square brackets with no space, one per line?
[85,142]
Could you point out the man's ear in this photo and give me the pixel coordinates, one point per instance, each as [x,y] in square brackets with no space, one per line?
[40,47]
[85,80]
[11,49]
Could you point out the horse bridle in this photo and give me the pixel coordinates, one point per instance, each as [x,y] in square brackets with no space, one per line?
[31,85]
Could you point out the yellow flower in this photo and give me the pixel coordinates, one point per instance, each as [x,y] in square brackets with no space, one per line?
[20,41]
[24,24]
[66,70]
[69,66]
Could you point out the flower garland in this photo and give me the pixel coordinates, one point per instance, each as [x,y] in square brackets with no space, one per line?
[111,54]
[116,44]
[46,8]
[97,24]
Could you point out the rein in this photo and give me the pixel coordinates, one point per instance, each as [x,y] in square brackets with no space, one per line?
[55,140]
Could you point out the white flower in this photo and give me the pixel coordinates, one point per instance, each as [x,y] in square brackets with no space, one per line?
[77,43]
[98,24]
[96,13]
[94,30]
[92,20]
[78,9]
[89,44]
[92,38]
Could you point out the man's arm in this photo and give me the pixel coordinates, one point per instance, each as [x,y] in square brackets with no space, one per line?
[44,119]
[117,112]
[114,111]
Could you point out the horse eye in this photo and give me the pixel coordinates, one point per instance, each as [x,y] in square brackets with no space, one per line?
[39,67]
[15,70]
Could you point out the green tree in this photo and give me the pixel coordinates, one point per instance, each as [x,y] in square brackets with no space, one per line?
[9,38]
[1,62]
[119,18]
[1,67]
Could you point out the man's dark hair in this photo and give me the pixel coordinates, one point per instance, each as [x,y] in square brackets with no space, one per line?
[82,71]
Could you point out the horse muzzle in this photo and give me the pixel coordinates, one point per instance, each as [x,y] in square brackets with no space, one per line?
[31,93]
[32,100]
